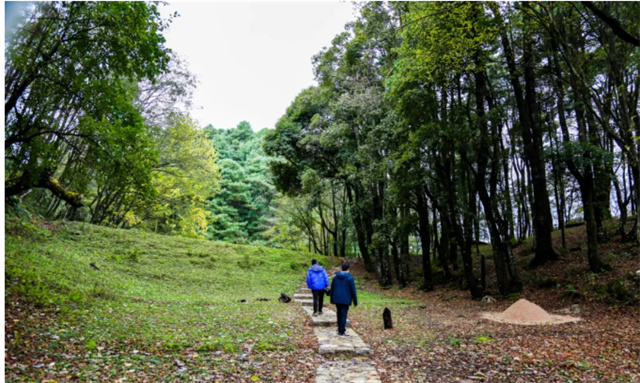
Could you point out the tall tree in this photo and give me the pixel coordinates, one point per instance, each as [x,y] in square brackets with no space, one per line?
[67,86]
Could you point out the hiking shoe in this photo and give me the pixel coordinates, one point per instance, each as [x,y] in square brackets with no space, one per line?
[314,314]
[344,335]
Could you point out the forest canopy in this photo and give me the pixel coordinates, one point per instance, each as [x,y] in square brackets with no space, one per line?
[436,126]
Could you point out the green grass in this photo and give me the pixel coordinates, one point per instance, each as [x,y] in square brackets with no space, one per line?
[373,300]
[157,291]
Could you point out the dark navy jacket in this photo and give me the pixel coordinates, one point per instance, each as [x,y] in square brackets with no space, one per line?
[343,289]
[317,278]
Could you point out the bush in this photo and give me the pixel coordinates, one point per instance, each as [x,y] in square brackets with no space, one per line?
[619,289]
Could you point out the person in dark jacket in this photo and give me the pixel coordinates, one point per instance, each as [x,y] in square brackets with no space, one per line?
[343,293]
[317,281]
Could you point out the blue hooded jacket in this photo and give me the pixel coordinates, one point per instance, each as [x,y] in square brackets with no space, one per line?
[317,278]
[343,289]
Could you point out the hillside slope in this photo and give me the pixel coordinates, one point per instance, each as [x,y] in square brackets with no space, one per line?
[88,302]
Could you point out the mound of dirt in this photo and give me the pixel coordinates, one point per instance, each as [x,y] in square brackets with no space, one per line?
[527,313]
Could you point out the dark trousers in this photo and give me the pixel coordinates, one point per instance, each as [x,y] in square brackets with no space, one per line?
[318,300]
[342,311]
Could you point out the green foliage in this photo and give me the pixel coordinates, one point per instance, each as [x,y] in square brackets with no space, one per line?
[570,290]
[72,100]
[91,345]
[134,255]
[219,345]
[455,342]
[241,210]
[483,339]
[184,178]
[619,289]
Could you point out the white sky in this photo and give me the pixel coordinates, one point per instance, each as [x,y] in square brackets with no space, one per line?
[251,59]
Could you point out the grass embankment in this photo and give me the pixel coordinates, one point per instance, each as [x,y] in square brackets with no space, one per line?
[153,307]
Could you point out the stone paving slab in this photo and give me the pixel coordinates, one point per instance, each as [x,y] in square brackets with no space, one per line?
[328,317]
[347,371]
[360,369]
[331,343]
[308,303]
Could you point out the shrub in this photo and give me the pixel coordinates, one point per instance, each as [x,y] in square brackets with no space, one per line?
[619,289]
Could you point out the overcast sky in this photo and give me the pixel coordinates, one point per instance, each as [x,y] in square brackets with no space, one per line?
[251,59]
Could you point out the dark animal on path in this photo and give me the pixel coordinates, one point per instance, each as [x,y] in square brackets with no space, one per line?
[263,299]
[94,266]
[386,317]
[242,300]
[284,298]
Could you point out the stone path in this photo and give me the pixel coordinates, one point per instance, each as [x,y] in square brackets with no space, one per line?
[351,363]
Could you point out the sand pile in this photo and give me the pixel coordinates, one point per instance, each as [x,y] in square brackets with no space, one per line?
[527,313]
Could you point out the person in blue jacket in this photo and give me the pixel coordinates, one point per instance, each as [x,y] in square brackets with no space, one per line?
[343,293]
[317,281]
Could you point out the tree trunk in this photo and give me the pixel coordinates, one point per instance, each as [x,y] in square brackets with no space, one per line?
[532,142]
[425,240]
[361,232]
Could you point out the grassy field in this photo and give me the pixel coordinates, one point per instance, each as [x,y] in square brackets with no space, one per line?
[153,307]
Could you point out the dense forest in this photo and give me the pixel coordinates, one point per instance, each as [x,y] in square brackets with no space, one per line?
[449,124]
[241,211]
[433,127]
